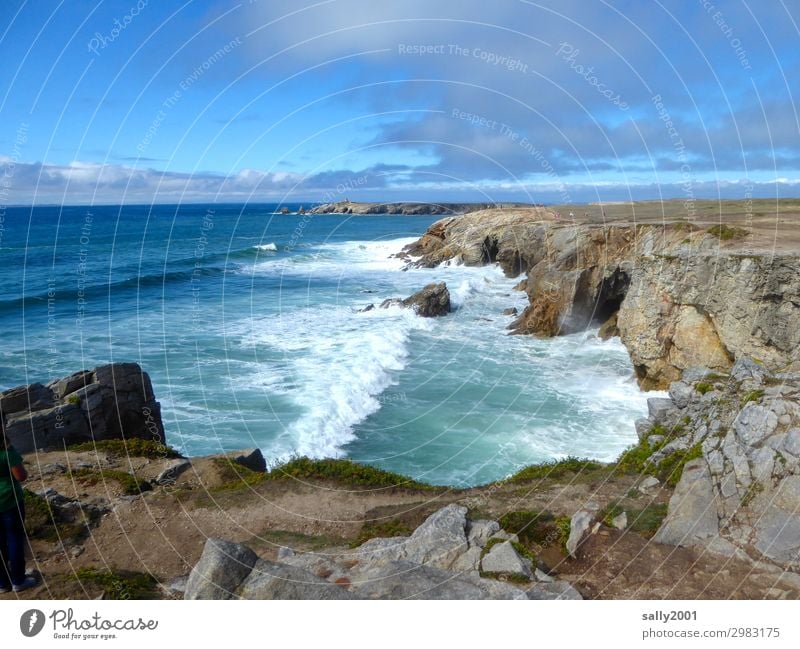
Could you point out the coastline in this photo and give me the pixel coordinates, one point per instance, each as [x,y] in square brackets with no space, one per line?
[723,445]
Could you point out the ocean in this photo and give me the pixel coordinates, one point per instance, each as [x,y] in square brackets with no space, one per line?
[248,322]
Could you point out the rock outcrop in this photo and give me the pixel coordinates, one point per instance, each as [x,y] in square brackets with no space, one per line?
[431,301]
[109,402]
[736,439]
[350,207]
[447,557]
[672,293]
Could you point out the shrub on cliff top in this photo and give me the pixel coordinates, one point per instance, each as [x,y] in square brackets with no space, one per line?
[131,485]
[555,469]
[344,472]
[121,584]
[726,232]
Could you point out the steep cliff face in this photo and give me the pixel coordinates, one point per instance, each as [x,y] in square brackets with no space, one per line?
[680,298]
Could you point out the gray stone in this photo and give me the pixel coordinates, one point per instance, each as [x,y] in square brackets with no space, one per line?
[579,525]
[505,536]
[223,566]
[754,423]
[695,374]
[648,484]
[432,301]
[250,458]
[642,426]
[172,470]
[25,398]
[479,532]
[49,428]
[792,442]
[277,581]
[469,561]
[746,368]
[541,576]
[407,580]
[620,521]
[555,590]
[681,393]
[692,512]
[63,387]
[762,463]
[284,553]
[502,558]
[659,409]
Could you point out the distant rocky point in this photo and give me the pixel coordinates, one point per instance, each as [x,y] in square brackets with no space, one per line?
[349,207]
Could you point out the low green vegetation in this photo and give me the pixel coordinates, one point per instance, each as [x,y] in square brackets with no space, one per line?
[754,395]
[46,523]
[556,469]
[703,387]
[233,475]
[120,584]
[726,232]
[521,550]
[645,520]
[74,399]
[670,469]
[129,448]
[536,530]
[753,490]
[381,529]
[131,485]
[344,472]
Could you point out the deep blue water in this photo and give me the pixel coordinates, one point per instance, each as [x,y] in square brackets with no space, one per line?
[248,323]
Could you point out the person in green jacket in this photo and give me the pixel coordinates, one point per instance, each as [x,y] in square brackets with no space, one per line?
[12,518]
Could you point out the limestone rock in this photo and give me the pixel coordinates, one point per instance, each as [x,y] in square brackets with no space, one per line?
[692,512]
[555,590]
[270,581]
[502,558]
[659,408]
[578,528]
[172,470]
[223,566]
[479,532]
[754,423]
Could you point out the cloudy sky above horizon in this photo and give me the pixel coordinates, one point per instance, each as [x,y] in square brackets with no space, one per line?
[272,100]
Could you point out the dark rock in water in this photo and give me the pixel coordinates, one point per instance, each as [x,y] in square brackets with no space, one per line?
[110,402]
[609,328]
[392,301]
[510,311]
[432,301]
[369,307]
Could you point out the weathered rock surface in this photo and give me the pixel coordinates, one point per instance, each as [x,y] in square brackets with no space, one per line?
[223,566]
[431,301]
[676,305]
[109,402]
[440,560]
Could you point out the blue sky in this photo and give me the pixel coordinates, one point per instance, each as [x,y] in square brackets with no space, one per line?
[551,101]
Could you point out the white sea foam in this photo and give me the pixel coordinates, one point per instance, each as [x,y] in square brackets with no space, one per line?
[267,247]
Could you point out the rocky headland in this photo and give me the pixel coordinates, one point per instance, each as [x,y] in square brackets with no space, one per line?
[706,504]
[350,207]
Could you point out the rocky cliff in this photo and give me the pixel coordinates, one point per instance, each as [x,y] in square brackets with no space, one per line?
[349,207]
[109,402]
[682,295]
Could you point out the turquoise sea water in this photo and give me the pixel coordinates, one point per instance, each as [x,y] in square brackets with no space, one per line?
[247,321]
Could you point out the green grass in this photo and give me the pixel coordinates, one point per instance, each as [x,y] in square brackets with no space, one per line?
[647,520]
[345,472]
[536,530]
[133,447]
[670,469]
[131,485]
[235,476]
[753,490]
[727,233]
[382,529]
[120,584]
[556,469]
[47,523]
[74,399]
[754,395]
[703,387]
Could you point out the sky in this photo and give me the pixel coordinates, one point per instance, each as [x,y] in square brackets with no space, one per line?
[556,101]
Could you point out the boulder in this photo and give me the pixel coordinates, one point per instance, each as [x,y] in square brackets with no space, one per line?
[223,566]
[777,528]
[268,580]
[503,559]
[754,423]
[432,301]
[110,402]
[791,443]
[643,427]
[250,458]
[479,532]
[681,393]
[408,580]
[692,512]
[658,409]
[579,526]
[172,470]
[648,484]
[620,521]
[747,369]
[554,590]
